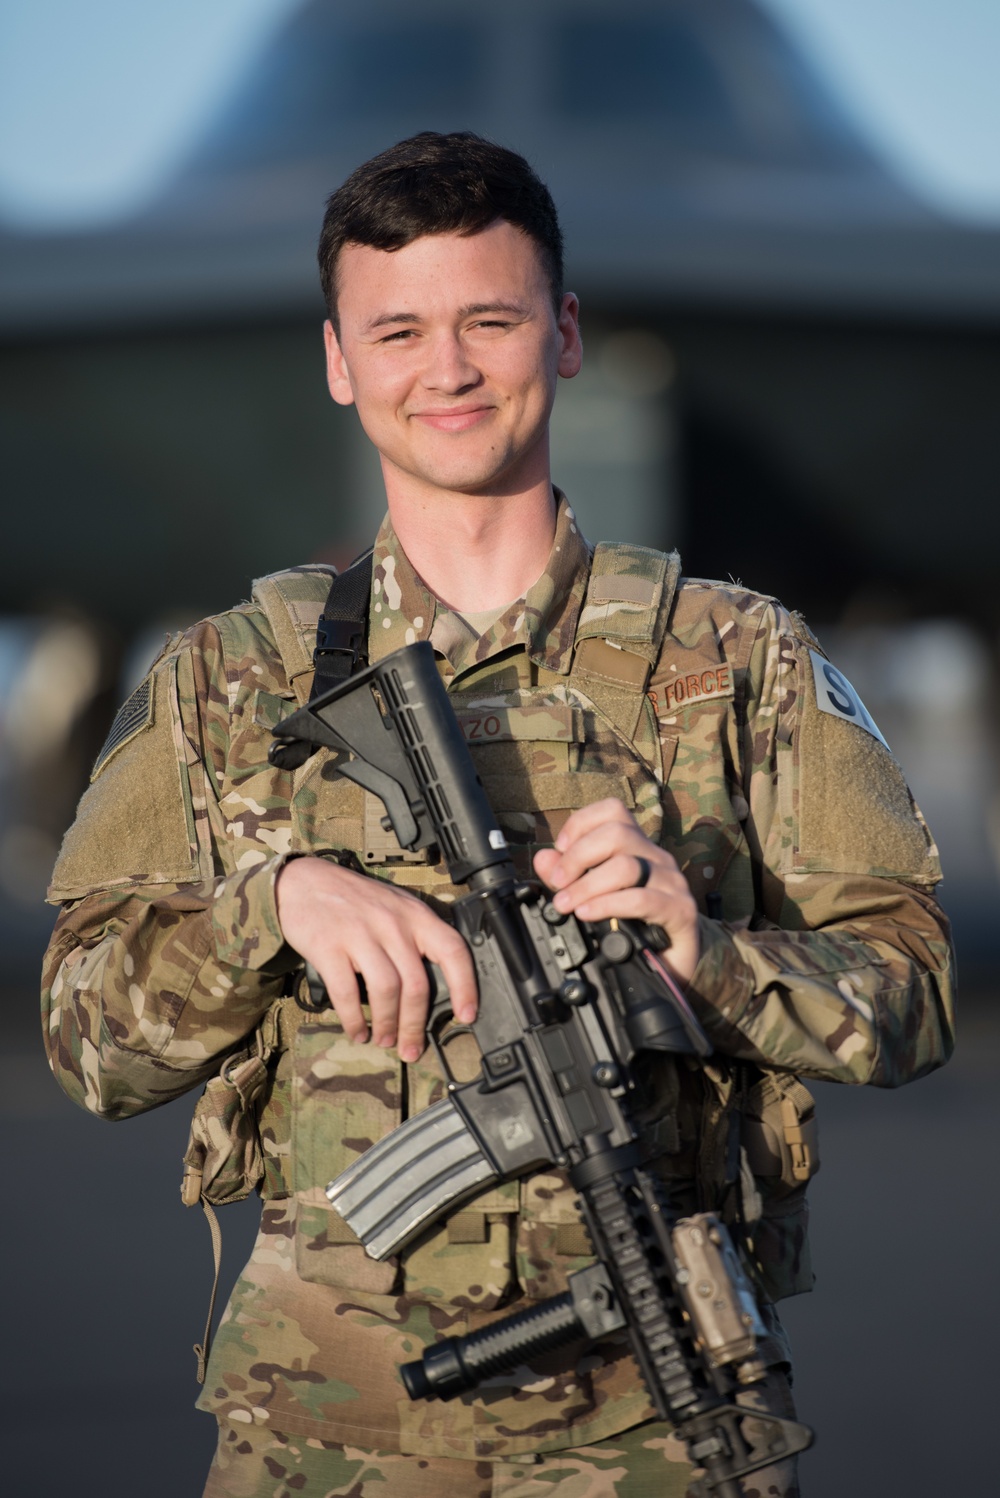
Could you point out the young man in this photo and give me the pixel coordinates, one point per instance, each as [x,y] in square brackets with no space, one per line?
[659,741]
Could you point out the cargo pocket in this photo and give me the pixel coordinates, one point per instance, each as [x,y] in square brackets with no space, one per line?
[345,1098]
[467,1259]
[552,1241]
[781,1153]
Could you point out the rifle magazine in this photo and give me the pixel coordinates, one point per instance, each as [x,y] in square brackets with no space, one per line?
[425,1167]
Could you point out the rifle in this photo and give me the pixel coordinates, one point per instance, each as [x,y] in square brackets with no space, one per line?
[565,1008]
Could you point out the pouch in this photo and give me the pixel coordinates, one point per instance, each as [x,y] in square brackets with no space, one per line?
[780,1149]
[224,1159]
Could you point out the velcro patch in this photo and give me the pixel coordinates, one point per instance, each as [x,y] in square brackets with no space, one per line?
[836,696]
[135,714]
[619,587]
[553,722]
[691,687]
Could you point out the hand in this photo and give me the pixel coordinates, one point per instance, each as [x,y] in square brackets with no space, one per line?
[346,923]
[594,867]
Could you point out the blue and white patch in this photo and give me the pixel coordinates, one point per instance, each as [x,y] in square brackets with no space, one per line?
[836,696]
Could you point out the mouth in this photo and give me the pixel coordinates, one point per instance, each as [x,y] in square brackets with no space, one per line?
[455,419]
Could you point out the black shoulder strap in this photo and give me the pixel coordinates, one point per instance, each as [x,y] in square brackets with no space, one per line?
[342,632]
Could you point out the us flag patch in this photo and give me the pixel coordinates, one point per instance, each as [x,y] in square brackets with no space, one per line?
[135,714]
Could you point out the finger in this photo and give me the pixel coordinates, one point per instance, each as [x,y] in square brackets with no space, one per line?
[605,842]
[443,944]
[414,1005]
[345,997]
[586,818]
[657,906]
[614,875]
[546,861]
[383,983]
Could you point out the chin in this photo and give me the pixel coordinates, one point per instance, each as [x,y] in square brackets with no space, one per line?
[472,478]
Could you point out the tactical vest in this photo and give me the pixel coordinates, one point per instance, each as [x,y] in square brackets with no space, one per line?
[727,1137]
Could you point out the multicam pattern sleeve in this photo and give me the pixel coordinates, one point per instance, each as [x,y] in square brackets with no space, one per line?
[844,972]
[168,948]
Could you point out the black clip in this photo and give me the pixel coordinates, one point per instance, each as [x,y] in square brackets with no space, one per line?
[340,637]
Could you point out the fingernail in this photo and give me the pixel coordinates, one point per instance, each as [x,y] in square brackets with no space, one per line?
[385,1041]
[465,1016]
[409,1053]
[562,901]
[359,1037]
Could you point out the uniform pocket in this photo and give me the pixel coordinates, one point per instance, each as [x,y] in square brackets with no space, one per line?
[224,1160]
[552,1241]
[467,1260]
[345,1098]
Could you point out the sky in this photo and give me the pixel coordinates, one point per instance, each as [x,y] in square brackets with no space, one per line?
[100,100]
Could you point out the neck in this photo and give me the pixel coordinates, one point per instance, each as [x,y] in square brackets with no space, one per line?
[476,552]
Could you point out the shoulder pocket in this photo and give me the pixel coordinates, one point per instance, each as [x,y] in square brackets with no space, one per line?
[135,823]
[855,813]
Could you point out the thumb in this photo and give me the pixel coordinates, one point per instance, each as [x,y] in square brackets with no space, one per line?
[546,862]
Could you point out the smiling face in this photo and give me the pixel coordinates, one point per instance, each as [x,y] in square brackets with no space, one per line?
[450,348]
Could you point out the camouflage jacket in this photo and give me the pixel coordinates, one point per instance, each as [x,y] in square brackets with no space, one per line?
[734,750]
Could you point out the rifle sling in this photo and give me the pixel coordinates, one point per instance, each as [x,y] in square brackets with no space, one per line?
[342,632]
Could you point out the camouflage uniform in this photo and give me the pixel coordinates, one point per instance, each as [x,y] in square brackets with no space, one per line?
[831,960]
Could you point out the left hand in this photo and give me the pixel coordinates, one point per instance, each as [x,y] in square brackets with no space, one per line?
[594,867]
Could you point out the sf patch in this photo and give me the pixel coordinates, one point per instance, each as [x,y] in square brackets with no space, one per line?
[135,714]
[835,695]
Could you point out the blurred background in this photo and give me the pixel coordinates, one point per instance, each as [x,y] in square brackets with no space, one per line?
[783,220]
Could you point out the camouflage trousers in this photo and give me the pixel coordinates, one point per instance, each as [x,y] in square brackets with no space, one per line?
[647,1462]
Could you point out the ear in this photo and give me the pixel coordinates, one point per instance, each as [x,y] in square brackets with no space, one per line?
[337,377]
[570,342]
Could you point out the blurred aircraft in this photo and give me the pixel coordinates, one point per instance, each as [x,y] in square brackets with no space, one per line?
[791,359]
[694,153]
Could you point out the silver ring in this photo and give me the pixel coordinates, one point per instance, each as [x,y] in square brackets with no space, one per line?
[645,869]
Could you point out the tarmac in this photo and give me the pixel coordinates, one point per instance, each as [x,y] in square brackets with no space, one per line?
[107,1281]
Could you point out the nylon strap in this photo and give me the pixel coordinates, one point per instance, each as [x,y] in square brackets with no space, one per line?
[623,621]
[342,632]
[204,1347]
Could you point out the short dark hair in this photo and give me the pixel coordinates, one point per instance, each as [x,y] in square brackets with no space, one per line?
[438,184]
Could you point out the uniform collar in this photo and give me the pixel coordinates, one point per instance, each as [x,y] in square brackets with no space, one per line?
[404,610]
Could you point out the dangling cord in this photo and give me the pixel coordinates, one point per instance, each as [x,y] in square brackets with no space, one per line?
[203,1348]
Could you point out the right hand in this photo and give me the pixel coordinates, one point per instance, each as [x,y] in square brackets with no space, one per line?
[348,924]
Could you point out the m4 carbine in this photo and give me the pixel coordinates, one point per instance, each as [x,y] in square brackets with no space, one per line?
[565,1008]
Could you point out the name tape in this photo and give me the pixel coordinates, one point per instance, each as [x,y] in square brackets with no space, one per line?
[836,696]
[699,686]
[553,721]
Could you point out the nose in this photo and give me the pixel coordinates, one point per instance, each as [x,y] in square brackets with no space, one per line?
[449,368]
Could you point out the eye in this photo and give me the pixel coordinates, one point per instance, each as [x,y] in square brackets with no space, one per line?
[399,337]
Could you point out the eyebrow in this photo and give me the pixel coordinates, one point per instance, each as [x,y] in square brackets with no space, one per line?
[473,309]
